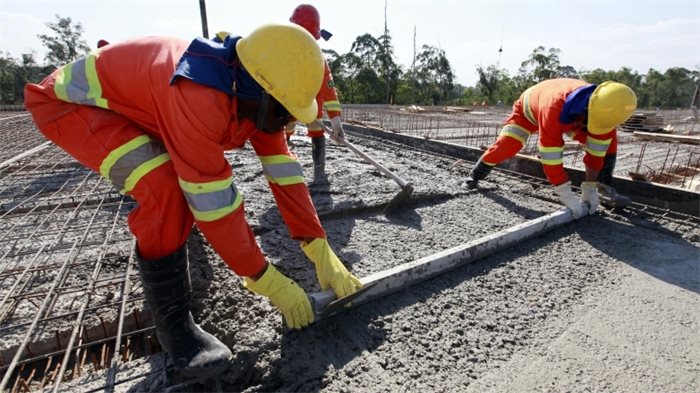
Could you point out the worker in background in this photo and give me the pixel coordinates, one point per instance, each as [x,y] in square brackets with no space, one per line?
[307,16]
[588,113]
[154,116]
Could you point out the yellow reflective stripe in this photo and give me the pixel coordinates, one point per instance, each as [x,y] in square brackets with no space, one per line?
[60,87]
[119,152]
[277,159]
[516,132]
[285,181]
[333,106]
[142,170]
[95,91]
[203,188]
[213,215]
[196,194]
[551,155]
[282,165]
[597,147]
[526,107]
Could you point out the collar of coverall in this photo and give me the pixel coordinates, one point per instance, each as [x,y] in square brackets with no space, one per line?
[576,103]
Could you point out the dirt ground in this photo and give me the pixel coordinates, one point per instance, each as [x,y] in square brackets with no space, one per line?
[607,303]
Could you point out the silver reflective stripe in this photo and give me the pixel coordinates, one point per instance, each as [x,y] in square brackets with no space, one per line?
[127,163]
[214,200]
[516,131]
[551,155]
[593,146]
[278,171]
[79,87]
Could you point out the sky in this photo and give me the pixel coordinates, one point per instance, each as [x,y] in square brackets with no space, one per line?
[591,34]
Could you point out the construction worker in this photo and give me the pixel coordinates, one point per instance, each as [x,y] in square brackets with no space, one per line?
[154,116]
[307,16]
[588,113]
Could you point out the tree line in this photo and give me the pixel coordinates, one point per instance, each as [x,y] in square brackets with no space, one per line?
[369,74]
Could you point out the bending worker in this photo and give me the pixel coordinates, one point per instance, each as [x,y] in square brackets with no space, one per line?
[587,112]
[307,16]
[154,116]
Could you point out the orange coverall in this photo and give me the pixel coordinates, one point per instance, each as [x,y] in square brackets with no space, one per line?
[116,113]
[537,111]
[327,97]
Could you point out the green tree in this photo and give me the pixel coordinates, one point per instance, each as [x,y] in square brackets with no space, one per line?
[677,87]
[542,64]
[66,44]
[434,75]
[496,85]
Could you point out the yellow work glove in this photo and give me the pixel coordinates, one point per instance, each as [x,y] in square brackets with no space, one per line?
[284,293]
[330,271]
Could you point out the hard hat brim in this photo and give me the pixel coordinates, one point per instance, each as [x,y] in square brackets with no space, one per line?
[305,115]
[597,129]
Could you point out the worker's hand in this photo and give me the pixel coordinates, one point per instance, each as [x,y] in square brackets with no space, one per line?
[330,271]
[589,195]
[567,197]
[337,129]
[284,293]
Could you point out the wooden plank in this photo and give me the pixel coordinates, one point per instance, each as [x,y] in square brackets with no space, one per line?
[694,139]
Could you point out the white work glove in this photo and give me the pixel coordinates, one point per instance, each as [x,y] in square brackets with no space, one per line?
[567,197]
[589,195]
[337,129]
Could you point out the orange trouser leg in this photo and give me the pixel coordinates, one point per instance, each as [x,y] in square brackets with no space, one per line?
[162,220]
[315,131]
[504,148]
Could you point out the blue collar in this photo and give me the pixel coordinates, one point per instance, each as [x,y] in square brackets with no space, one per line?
[215,64]
[576,103]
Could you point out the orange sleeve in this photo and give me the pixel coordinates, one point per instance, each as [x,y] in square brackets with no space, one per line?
[286,180]
[328,96]
[597,146]
[194,121]
[551,143]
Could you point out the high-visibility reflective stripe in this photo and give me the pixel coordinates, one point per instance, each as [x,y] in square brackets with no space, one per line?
[515,131]
[526,107]
[127,164]
[597,147]
[211,201]
[282,170]
[551,155]
[78,82]
[332,106]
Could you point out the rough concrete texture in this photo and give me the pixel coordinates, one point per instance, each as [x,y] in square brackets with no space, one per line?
[608,303]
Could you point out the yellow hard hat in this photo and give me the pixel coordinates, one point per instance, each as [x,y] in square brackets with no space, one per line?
[611,104]
[287,62]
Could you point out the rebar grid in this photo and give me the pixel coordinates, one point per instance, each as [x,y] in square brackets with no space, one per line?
[67,298]
[669,163]
[69,301]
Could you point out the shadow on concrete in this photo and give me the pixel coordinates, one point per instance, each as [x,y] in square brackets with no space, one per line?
[658,252]
[510,205]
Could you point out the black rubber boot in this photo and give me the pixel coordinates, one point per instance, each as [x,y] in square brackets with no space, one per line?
[605,187]
[479,172]
[318,153]
[168,291]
